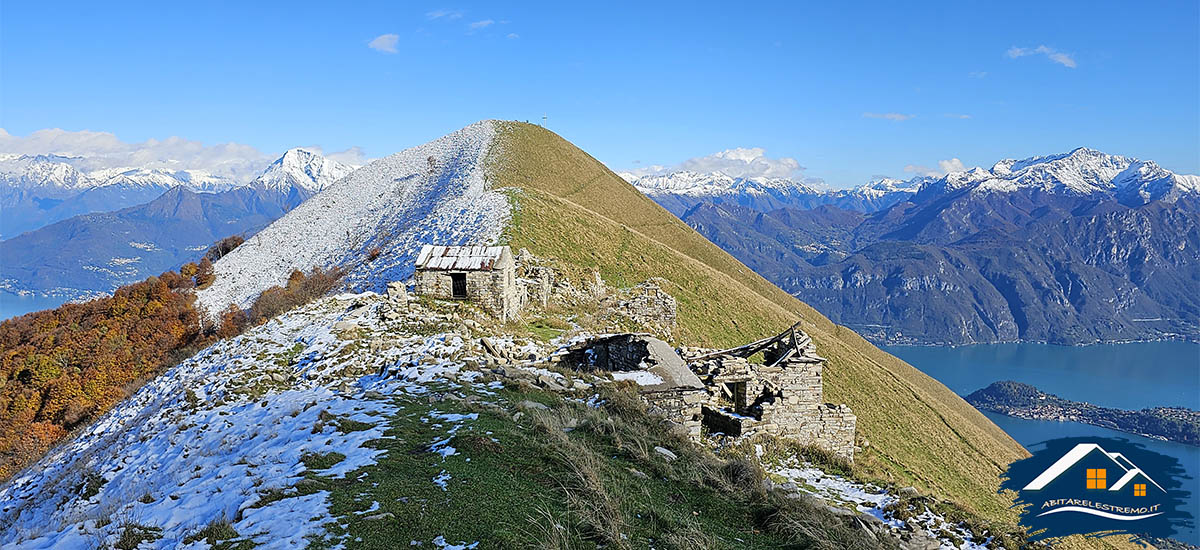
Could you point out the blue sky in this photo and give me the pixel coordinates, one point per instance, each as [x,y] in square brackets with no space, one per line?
[850,92]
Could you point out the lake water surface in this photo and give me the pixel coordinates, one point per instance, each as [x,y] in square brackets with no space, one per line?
[1127,376]
[13,305]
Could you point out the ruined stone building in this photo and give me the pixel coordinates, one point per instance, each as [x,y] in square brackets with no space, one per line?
[724,391]
[783,395]
[483,274]
[666,383]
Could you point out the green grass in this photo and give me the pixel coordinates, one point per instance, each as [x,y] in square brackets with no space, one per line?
[133,534]
[220,535]
[569,208]
[546,329]
[531,483]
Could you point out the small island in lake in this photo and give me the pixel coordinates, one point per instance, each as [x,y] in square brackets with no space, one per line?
[1024,401]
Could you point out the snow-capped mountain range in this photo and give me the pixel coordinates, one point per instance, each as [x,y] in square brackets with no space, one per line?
[681,190]
[57,173]
[93,253]
[37,190]
[1073,248]
[1081,172]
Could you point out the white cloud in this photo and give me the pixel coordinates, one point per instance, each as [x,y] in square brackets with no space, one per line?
[354,156]
[1052,54]
[513,36]
[895,117]
[100,150]
[944,167]
[740,162]
[951,165]
[385,43]
[481,24]
[448,14]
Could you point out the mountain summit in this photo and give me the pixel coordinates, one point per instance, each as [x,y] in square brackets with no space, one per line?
[520,185]
[304,170]
[258,428]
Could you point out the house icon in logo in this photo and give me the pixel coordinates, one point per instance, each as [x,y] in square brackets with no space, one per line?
[1078,485]
[1088,466]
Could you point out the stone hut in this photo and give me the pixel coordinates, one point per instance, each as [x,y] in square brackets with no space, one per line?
[482,274]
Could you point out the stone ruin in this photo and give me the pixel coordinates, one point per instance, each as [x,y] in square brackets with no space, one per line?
[483,274]
[724,391]
[649,305]
[505,285]
[667,385]
[783,395]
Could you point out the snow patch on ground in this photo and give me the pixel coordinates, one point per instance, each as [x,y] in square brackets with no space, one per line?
[869,499]
[641,377]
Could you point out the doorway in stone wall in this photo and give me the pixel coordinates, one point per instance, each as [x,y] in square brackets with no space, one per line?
[458,285]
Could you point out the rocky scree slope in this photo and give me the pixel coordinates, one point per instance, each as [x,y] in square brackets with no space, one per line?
[433,193]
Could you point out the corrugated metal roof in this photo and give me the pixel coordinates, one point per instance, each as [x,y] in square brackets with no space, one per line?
[467,258]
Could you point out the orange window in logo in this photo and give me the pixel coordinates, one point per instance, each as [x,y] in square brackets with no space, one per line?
[1097,478]
[1139,489]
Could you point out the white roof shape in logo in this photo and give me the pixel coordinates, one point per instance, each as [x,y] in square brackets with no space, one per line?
[1075,455]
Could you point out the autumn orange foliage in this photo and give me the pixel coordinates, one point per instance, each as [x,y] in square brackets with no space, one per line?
[62,368]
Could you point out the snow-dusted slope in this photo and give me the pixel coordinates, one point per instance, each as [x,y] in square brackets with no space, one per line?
[217,435]
[302,169]
[433,193]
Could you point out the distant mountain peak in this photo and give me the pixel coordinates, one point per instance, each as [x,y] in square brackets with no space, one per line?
[302,169]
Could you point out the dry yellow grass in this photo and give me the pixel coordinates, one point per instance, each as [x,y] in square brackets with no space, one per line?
[571,208]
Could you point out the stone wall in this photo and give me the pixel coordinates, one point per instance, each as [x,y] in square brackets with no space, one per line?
[648,304]
[683,407]
[538,282]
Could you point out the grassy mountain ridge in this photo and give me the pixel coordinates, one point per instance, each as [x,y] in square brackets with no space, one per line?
[570,207]
[919,431]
